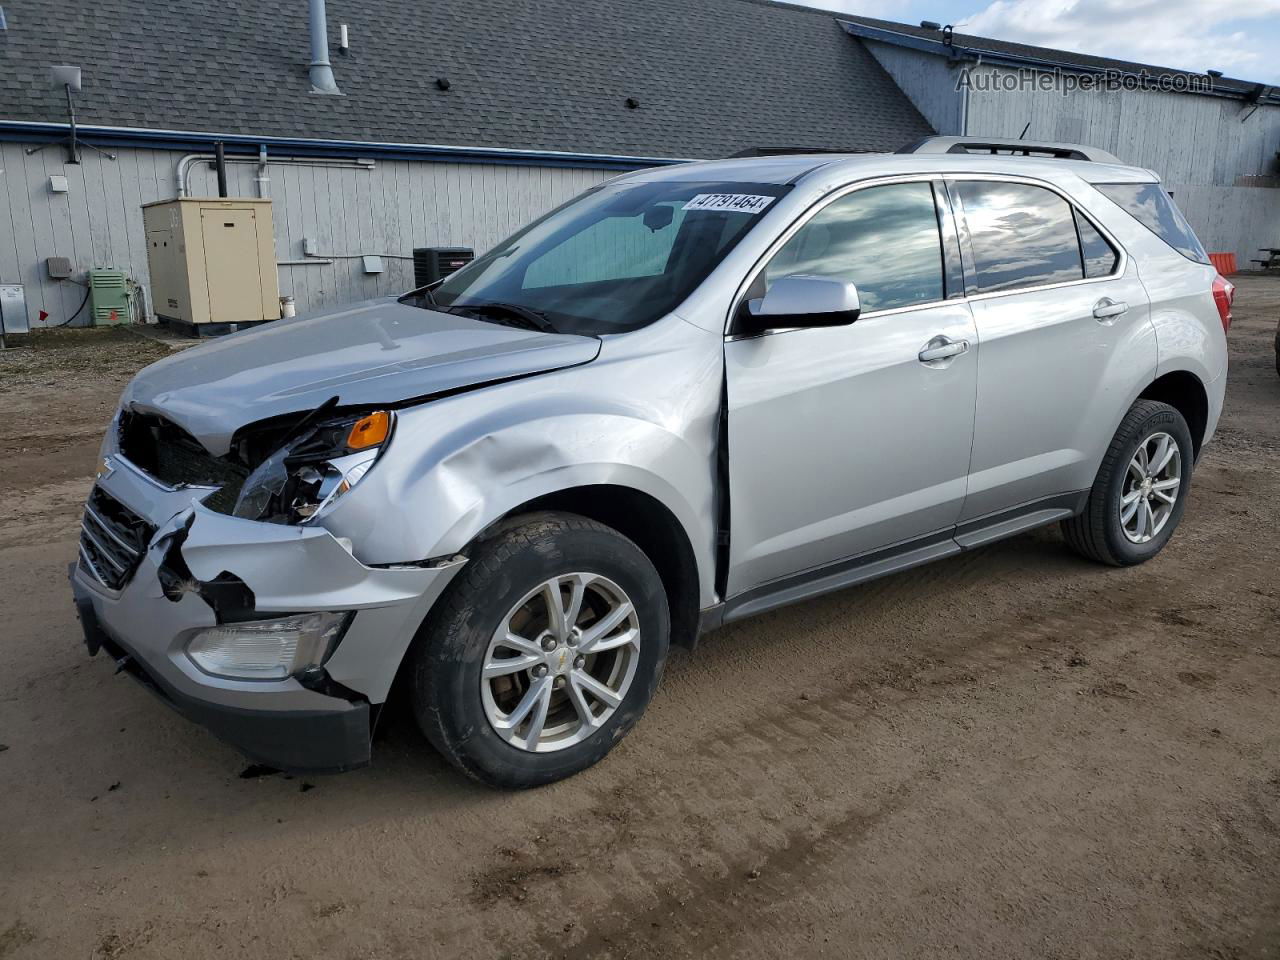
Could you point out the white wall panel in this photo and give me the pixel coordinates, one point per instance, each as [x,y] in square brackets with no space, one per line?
[389,210]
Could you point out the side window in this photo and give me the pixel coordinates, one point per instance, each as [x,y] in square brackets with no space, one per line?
[612,249]
[1022,235]
[1099,256]
[884,239]
[1153,208]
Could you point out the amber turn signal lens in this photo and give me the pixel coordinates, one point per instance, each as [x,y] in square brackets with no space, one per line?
[369,431]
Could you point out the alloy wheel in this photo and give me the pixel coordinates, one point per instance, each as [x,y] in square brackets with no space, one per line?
[561,662]
[1150,489]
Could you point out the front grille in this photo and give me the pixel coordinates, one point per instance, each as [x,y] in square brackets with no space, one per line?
[175,458]
[171,455]
[113,540]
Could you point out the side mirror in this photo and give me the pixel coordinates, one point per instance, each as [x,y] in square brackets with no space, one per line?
[802,301]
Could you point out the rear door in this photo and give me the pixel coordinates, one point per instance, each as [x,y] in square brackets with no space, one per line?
[1064,327]
[843,440]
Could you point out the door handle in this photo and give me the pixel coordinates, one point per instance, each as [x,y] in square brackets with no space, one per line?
[1106,308]
[943,348]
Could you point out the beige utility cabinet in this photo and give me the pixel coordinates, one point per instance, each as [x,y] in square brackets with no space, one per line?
[213,261]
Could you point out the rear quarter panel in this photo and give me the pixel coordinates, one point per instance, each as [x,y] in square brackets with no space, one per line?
[1188,330]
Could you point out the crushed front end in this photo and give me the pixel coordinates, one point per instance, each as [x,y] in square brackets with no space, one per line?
[269,631]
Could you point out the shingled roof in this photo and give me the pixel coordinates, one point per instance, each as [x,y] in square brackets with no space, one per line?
[711,78]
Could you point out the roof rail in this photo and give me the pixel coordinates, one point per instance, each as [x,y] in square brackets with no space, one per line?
[1018,148]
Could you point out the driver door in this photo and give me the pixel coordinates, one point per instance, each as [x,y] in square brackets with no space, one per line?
[844,441]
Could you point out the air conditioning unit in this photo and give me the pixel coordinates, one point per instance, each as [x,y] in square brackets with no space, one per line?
[435,263]
[213,263]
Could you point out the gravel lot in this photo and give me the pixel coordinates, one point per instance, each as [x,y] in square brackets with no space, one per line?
[1013,753]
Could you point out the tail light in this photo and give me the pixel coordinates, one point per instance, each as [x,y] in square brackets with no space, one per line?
[1224,294]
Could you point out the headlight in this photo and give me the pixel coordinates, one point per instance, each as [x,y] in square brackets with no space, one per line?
[267,649]
[308,474]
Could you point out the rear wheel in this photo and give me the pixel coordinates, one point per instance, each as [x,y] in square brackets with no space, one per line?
[544,652]
[1141,489]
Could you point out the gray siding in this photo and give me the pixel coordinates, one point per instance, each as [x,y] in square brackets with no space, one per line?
[927,79]
[389,210]
[1198,145]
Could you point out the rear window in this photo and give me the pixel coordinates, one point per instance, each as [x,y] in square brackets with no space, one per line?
[1153,208]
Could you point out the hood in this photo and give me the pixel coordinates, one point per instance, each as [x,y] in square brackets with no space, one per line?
[379,352]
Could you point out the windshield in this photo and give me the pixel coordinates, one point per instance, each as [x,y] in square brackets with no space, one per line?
[612,260]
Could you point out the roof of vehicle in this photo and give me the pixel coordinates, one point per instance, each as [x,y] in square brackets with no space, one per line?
[850,167]
[710,78]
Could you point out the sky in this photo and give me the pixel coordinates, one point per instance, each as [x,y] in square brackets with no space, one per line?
[1240,38]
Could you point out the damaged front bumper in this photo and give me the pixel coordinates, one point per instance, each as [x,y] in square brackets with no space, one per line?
[200,569]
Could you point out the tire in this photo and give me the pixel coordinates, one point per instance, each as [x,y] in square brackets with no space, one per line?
[1099,532]
[504,586]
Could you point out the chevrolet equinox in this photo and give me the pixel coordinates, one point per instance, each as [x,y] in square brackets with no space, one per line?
[689,395]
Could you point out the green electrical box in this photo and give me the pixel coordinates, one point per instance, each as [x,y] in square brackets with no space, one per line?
[109,292]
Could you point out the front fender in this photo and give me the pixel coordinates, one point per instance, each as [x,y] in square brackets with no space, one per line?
[458,464]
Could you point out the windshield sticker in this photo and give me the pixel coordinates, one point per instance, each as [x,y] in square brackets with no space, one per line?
[731,202]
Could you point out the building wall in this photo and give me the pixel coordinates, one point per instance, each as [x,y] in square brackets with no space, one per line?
[387,210]
[926,79]
[1201,146]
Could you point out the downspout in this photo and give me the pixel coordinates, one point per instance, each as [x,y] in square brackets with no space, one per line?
[322,80]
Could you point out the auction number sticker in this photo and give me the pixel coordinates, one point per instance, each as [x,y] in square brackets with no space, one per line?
[731,202]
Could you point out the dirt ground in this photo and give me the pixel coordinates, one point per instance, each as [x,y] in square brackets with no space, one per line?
[1012,753]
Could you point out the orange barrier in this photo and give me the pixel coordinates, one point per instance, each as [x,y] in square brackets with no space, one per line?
[1225,262]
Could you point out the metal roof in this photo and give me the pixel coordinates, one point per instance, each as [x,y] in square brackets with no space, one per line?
[710,78]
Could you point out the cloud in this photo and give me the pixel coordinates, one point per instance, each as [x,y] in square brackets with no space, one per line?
[1187,34]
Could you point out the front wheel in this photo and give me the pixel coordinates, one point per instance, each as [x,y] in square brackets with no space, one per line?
[1141,489]
[544,652]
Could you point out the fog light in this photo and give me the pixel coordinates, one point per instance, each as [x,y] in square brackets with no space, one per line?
[267,649]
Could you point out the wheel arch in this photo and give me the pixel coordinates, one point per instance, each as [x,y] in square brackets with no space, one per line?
[651,525]
[1186,393]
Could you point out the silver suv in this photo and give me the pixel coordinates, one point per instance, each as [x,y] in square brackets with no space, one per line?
[690,395]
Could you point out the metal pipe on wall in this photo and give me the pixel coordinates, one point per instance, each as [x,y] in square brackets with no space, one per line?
[263,180]
[262,160]
[220,163]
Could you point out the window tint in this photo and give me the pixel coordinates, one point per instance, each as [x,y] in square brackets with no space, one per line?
[1153,208]
[1099,256]
[1022,235]
[884,239]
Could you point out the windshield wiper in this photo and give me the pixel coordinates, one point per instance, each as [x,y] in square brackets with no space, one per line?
[523,316]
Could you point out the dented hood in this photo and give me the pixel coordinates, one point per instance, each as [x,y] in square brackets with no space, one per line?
[379,352]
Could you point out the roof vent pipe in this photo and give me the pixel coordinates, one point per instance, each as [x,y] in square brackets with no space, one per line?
[322,80]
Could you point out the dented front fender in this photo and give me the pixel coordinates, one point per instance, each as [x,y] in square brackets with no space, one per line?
[458,464]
